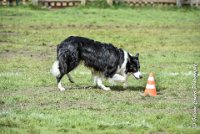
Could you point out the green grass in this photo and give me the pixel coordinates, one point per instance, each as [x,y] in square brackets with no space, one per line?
[168,40]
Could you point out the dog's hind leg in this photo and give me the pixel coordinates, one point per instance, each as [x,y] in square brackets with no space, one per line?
[58,74]
[59,82]
[70,78]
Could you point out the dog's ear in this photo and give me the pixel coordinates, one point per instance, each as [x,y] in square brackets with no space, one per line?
[137,55]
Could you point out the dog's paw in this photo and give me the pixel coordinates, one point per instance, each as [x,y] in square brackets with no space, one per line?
[62,89]
[106,88]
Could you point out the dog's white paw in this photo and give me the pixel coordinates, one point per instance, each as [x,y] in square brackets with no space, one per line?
[106,88]
[61,88]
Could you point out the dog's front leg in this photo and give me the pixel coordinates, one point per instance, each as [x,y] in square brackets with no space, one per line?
[118,78]
[100,84]
[125,84]
[122,79]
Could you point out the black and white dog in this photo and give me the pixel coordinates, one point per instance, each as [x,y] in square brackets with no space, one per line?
[104,60]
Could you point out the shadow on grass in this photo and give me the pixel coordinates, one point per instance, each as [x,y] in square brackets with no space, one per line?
[137,88]
[113,88]
[116,88]
[81,87]
[132,88]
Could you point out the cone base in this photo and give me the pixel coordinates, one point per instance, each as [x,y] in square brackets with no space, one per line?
[150,92]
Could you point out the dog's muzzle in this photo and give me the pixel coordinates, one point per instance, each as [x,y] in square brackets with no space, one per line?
[137,75]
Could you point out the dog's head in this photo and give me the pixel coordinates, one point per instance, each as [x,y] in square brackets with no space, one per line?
[133,66]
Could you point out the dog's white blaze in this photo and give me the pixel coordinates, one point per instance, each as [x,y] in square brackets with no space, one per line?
[55,69]
[137,74]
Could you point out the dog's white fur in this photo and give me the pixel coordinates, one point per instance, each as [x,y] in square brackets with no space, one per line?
[55,69]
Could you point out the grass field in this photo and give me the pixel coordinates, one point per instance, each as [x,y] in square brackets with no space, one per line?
[168,40]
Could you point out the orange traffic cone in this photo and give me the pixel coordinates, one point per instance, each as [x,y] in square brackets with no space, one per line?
[151,86]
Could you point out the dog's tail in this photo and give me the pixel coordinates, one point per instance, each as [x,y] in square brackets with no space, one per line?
[55,69]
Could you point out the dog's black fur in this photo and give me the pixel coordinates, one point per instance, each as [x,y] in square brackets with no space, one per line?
[101,57]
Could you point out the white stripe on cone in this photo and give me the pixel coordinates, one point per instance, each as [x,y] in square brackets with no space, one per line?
[150,78]
[150,86]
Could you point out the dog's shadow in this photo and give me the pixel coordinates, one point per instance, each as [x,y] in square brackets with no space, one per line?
[131,88]
[113,88]
[135,88]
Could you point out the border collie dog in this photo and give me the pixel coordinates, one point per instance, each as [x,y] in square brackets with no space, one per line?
[104,60]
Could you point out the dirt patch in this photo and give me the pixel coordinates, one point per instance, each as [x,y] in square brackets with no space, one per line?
[26,53]
[9,33]
[37,55]
[79,104]
[3,26]
[7,54]
[39,27]
[96,26]
[106,26]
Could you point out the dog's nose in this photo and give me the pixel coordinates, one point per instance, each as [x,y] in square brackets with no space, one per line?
[141,76]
